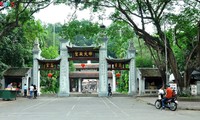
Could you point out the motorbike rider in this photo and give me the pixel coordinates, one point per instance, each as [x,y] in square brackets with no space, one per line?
[161,92]
[168,95]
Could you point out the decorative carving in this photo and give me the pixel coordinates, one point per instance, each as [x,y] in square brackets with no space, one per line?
[131,45]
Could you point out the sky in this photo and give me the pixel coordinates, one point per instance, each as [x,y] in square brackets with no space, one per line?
[62,13]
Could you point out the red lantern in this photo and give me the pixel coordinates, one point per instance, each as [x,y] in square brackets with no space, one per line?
[82,65]
[50,75]
[118,75]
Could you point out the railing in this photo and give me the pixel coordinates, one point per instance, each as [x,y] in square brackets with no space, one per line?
[150,92]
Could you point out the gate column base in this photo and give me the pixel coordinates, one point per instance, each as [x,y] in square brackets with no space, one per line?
[132,94]
[63,94]
[103,94]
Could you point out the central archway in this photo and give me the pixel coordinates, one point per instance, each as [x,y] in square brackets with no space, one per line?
[81,53]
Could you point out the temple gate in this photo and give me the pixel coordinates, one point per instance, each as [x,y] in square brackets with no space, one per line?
[70,52]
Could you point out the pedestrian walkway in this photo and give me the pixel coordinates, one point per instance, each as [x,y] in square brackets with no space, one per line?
[182,104]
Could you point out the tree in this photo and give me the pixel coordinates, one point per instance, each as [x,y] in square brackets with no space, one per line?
[50,53]
[16,48]
[119,34]
[52,34]
[17,31]
[185,43]
[19,14]
[82,33]
[149,12]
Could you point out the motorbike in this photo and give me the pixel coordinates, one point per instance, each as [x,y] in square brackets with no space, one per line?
[171,104]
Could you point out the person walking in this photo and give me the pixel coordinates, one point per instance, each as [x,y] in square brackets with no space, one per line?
[31,91]
[25,90]
[35,91]
[109,90]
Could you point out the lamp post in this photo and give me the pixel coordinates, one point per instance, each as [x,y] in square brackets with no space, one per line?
[54,34]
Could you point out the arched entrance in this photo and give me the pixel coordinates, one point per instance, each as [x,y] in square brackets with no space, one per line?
[85,73]
[85,78]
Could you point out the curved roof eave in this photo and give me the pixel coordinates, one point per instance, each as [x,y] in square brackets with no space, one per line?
[118,60]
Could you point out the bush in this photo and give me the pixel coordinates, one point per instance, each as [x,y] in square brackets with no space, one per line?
[49,85]
[143,62]
[185,93]
[123,83]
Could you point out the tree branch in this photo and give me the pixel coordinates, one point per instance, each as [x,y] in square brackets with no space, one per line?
[162,8]
[14,23]
[142,17]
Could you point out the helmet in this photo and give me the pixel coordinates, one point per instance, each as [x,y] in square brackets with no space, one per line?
[167,85]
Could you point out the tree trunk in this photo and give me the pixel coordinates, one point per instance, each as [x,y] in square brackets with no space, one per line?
[174,68]
[198,47]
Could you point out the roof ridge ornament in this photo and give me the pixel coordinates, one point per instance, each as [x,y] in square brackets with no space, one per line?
[36,47]
[36,44]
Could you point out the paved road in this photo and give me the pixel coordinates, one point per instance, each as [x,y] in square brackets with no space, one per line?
[88,108]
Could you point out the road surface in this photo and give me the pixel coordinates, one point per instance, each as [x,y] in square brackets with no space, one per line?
[88,108]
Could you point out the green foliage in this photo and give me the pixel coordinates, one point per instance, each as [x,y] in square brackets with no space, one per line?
[12,52]
[52,34]
[50,52]
[183,37]
[33,30]
[81,33]
[143,61]
[16,46]
[123,82]
[119,35]
[2,68]
[20,14]
[71,66]
[184,94]
[18,31]
[49,84]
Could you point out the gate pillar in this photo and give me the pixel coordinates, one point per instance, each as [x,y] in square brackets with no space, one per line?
[103,72]
[114,81]
[36,73]
[64,70]
[132,71]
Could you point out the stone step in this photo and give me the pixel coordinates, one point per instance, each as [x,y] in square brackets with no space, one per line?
[83,94]
[76,94]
